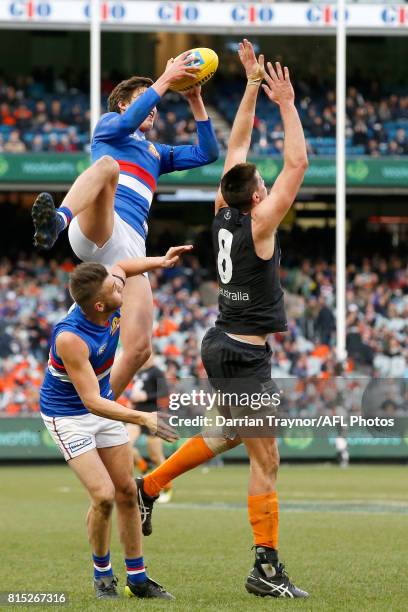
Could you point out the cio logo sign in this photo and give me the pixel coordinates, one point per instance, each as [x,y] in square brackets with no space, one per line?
[109,10]
[397,15]
[326,15]
[29,9]
[178,12]
[250,13]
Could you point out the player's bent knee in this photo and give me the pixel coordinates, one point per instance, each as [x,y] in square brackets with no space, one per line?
[108,165]
[103,500]
[126,493]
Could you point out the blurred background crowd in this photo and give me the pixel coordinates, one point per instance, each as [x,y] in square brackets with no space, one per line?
[33,296]
[45,112]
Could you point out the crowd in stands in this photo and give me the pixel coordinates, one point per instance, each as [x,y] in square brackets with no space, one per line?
[42,114]
[45,113]
[33,296]
[376,124]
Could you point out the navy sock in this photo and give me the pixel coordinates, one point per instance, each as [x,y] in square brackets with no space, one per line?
[64,218]
[136,572]
[102,566]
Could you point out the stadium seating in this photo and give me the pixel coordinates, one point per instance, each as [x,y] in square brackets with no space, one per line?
[54,116]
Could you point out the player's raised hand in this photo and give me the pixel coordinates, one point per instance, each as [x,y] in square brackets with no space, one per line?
[173,255]
[156,423]
[254,68]
[192,94]
[278,87]
[181,67]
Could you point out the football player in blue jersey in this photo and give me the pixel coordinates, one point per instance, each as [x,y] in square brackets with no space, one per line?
[86,423]
[109,203]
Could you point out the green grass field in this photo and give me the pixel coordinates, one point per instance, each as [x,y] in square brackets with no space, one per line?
[344,536]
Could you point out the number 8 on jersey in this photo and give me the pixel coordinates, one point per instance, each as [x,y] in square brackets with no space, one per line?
[224,255]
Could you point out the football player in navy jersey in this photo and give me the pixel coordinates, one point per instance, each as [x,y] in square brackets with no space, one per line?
[78,408]
[109,203]
[236,353]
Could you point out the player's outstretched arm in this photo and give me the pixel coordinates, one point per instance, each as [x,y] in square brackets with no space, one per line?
[196,103]
[139,265]
[241,132]
[75,356]
[184,157]
[113,126]
[270,212]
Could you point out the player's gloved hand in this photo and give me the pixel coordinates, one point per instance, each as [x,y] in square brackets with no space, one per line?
[180,68]
[156,423]
[254,68]
[278,88]
[173,255]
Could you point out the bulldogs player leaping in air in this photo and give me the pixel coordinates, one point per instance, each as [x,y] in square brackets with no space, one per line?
[109,202]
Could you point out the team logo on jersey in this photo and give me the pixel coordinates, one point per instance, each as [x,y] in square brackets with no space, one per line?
[227,215]
[102,348]
[154,151]
[114,325]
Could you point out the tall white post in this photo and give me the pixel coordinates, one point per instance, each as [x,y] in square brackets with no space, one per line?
[95,62]
[341,181]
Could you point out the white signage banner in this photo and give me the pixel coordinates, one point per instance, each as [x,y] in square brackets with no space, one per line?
[218,16]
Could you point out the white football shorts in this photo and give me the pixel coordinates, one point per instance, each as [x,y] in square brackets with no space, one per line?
[75,435]
[124,243]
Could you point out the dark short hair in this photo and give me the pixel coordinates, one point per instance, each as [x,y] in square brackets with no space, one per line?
[124,90]
[85,282]
[238,185]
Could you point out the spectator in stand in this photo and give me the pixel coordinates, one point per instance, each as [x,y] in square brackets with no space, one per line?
[360,135]
[66,145]
[260,137]
[169,128]
[37,144]
[23,116]
[6,115]
[40,116]
[329,121]
[384,111]
[402,141]
[52,142]
[394,148]
[14,144]
[55,115]
[325,323]
[373,148]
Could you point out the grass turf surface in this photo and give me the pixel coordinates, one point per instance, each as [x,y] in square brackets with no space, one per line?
[343,536]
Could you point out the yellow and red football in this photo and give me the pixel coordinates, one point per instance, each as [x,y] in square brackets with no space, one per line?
[207,61]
